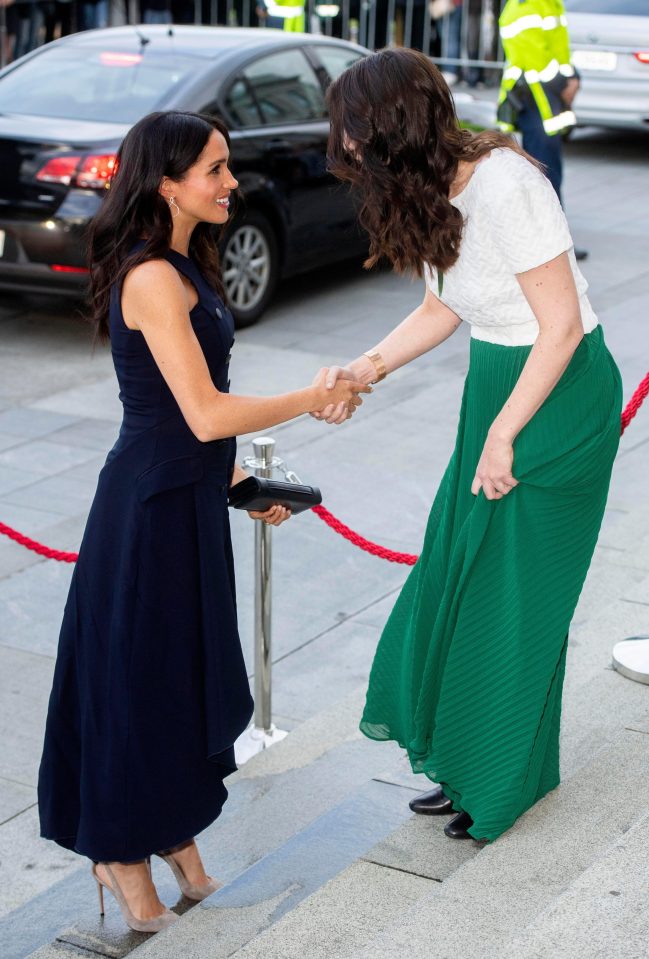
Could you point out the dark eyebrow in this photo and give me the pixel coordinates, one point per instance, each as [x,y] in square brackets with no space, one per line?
[218,162]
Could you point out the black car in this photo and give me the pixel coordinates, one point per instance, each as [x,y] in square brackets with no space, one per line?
[65,108]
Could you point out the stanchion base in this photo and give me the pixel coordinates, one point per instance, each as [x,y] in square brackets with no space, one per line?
[631,658]
[254,740]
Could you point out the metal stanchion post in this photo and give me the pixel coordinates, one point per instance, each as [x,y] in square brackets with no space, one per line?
[262,733]
[263,447]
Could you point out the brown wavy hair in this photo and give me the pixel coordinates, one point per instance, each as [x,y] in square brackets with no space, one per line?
[161,144]
[395,111]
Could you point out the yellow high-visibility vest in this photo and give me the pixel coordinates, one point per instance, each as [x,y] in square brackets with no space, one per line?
[537,48]
[290,11]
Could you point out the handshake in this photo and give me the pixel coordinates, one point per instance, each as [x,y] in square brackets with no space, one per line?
[337,391]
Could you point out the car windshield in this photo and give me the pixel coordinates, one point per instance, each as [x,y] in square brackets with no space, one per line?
[629,8]
[89,84]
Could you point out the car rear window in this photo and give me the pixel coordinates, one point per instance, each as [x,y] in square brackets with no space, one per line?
[629,8]
[83,84]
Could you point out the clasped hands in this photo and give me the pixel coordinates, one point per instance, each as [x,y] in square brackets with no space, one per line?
[494,470]
[341,394]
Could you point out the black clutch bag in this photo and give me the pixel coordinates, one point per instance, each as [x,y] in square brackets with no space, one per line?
[257,493]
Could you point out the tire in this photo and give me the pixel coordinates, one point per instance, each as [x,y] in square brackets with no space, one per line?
[250,267]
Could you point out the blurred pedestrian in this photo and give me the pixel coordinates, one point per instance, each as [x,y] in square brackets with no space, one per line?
[150,687]
[468,673]
[447,16]
[92,14]
[156,11]
[183,11]
[539,82]
[414,14]
[24,27]
[58,17]
[286,15]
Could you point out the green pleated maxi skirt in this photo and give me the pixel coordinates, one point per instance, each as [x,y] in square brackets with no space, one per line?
[469,669]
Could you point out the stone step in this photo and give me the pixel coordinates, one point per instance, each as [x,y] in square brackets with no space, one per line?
[412,863]
[273,887]
[274,796]
[603,913]
[349,911]
[482,906]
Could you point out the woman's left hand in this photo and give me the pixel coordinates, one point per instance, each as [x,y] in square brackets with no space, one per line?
[494,472]
[274,516]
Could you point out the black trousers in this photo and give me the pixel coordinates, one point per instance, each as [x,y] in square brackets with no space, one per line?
[546,149]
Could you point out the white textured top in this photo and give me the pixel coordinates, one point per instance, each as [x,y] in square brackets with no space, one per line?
[513,222]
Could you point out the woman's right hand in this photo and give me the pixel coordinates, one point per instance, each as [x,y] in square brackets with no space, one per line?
[344,391]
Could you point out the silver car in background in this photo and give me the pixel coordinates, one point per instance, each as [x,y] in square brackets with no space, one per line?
[610,48]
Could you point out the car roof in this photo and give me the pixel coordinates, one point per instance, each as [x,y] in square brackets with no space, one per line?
[199,41]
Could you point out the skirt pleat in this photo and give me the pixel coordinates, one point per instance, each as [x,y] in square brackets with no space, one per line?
[469,670]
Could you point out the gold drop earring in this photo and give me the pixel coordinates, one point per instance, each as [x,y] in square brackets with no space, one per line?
[172,204]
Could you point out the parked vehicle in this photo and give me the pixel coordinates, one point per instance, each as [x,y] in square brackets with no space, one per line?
[610,44]
[65,108]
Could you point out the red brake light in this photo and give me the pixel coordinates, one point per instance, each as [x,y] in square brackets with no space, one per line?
[96,171]
[91,172]
[120,59]
[59,170]
[642,56]
[62,268]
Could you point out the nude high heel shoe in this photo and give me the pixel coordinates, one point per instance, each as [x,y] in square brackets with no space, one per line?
[192,891]
[139,925]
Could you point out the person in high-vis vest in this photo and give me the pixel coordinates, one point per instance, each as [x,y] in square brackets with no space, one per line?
[284,14]
[539,82]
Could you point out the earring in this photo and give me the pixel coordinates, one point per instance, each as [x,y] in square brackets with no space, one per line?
[172,204]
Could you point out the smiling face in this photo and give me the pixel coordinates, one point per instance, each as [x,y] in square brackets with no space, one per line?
[203,195]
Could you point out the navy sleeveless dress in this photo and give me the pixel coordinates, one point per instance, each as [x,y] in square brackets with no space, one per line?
[150,688]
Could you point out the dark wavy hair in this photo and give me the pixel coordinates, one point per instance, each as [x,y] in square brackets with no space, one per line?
[396,109]
[161,144]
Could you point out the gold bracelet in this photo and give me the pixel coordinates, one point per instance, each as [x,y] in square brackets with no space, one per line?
[379,365]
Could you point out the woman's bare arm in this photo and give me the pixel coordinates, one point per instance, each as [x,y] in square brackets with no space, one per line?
[426,327]
[155,302]
[550,290]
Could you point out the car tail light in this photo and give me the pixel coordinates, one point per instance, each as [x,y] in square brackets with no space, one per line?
[62,268]
[59,170]
[120,59]
[642,56]
[91,172]
[96,171]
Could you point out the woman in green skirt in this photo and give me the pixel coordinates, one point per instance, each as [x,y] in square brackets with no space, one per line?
[468,673]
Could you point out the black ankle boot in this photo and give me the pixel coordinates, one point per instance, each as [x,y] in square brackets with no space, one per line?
[434,803]
[457,827]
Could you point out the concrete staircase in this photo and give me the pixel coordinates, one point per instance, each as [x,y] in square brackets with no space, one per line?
[321,858]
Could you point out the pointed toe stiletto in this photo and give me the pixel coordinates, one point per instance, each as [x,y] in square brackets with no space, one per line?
[167,918]
[433,803]
[457,827]
[190,890]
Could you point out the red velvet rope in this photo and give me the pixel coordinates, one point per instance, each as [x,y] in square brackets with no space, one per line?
[635,403]
[391,555]
[381,551]
[38,547]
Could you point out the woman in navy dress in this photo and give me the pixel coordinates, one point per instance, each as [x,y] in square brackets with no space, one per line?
[150,689]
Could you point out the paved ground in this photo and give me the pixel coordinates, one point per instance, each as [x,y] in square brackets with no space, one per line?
[59,415]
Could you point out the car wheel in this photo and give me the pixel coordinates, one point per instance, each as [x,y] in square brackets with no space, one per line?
[250,265]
